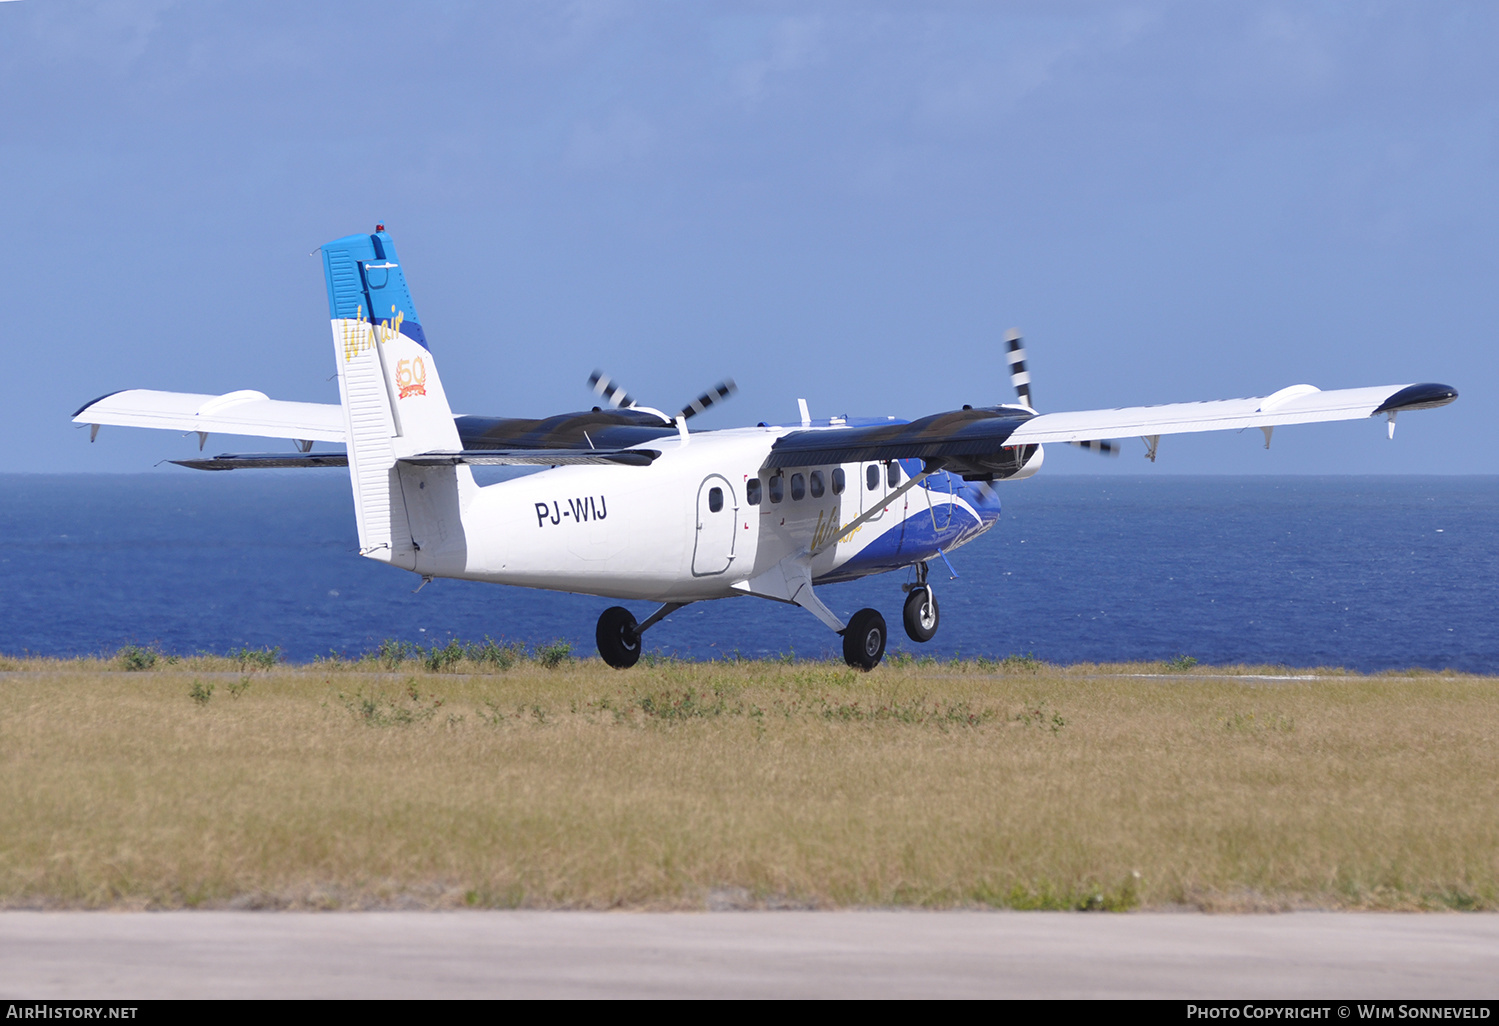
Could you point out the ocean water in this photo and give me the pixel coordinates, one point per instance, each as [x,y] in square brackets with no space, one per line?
[1370,573]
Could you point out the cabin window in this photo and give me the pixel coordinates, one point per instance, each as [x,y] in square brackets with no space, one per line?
[715,500]
[777,488]
[816,484]
[752,491]
[798,487]
[892,470]
[872,476]
[838,480]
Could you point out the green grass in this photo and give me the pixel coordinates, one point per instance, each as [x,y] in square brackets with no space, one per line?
[498,777]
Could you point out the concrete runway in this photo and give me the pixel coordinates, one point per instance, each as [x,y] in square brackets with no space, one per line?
[128,955]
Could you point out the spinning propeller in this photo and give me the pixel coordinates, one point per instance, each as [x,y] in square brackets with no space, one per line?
[616,397]
[1021,379]
[1019,376]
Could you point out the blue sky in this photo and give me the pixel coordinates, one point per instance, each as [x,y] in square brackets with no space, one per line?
[848,202]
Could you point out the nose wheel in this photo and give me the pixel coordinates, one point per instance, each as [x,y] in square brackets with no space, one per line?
[920,615]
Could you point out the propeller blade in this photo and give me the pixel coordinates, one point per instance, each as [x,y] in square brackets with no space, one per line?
[1100,447]
[1019,376]
[717,394]
[614,396]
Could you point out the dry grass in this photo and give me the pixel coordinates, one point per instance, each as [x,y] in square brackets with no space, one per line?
[757,784]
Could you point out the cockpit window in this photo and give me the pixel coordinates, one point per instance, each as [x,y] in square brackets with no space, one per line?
[715,500]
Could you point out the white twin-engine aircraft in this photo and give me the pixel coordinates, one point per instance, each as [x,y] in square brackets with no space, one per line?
[636,507]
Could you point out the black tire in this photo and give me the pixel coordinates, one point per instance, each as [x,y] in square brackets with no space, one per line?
[864,640]
[921,614]
[619,642]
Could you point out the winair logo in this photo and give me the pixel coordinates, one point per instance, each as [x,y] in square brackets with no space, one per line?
[829,527]
[360,334]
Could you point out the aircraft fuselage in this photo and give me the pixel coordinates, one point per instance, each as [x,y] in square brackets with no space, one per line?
[627,533]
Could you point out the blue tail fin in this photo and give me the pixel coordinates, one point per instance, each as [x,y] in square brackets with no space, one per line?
[393,400]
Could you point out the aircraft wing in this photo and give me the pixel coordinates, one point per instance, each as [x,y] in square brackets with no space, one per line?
[253,413]
[245,412]
[1298,404]
[479,457]
[945,436]
[997,439]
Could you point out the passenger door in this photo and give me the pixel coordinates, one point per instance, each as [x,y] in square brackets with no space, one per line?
[717,510]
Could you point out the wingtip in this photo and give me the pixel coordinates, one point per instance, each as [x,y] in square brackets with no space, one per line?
[1424,396]
[79,412]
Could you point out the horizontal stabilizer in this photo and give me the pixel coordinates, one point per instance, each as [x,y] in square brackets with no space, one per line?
[267,461]
[480,457]
[536,457]
[245,412]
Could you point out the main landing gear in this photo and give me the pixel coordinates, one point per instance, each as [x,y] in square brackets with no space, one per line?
[618,635]
[864,638]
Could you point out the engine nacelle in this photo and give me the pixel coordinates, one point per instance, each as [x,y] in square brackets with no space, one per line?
[1030,466]
[1012,463]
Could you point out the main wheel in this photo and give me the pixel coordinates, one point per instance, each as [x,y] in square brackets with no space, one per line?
[921,614]
[864,640]
[619,642]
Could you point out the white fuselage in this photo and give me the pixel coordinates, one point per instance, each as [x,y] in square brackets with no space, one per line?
[659,533]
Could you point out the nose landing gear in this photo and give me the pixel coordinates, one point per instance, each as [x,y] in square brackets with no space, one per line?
[920,615]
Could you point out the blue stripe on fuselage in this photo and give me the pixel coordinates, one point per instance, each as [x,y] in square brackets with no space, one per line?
[924,530]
